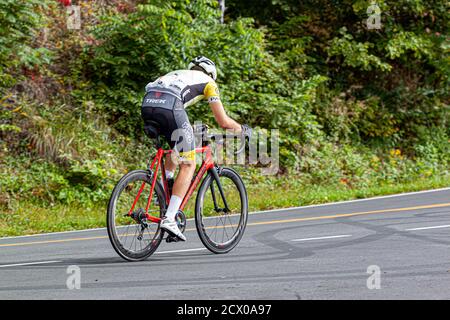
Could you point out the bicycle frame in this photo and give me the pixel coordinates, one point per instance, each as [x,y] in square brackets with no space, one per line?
[157,163]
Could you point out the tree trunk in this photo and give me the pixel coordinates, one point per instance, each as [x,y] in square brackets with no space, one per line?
[222,9]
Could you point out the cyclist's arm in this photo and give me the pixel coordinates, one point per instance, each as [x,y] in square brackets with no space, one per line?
[222,118]
[212,95]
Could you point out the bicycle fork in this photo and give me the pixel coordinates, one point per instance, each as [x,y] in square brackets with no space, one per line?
[215,175]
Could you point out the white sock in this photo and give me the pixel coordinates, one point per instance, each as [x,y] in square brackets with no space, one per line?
[174,205]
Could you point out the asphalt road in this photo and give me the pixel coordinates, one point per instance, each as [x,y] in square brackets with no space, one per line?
[316,252]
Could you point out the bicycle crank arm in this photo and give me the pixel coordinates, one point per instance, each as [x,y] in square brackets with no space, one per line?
[170,239]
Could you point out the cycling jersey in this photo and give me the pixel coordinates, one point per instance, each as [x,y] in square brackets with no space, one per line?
[165,101]
[190,86]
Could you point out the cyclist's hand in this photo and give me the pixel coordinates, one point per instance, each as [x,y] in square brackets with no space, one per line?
[246,131]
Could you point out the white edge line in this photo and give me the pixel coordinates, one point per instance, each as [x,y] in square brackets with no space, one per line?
[184,250]
[425,228]
[27,264]
[320,238]
[256,212]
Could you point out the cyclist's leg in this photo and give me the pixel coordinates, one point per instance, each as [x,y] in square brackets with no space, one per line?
[183,179]
[163,115]
[170,166]
[184,150]
[182,141]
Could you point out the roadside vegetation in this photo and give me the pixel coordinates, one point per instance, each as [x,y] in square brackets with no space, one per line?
[360,112]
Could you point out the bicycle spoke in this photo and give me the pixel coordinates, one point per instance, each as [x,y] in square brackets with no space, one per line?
[132,240]
[223,229]
[231,223]
[215,229]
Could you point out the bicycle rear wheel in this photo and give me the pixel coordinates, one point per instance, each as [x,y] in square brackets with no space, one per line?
[133,237]
[218,230]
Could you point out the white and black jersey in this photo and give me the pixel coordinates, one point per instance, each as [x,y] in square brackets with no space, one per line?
[191,86]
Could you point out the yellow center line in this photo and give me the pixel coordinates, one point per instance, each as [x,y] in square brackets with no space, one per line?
[51,241]
[351,214]
[439,205]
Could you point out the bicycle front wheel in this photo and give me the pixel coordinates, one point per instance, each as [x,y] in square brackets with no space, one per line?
[134,237]
[221,230]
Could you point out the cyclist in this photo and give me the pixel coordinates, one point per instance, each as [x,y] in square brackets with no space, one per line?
[164,106]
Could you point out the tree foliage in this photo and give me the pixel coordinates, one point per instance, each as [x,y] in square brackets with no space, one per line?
[397,73]
[354,105]
[18,23]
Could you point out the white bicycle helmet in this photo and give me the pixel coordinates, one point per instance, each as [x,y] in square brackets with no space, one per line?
[206,64]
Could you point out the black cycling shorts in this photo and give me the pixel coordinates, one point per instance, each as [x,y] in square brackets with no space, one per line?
[168,111]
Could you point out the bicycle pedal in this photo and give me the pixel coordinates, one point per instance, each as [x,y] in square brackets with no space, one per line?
[170,239]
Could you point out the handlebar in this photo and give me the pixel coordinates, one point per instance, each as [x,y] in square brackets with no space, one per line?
[222,138]
[219,138]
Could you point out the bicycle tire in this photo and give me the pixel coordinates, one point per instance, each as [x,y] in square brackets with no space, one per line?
[133,176]
[213,246]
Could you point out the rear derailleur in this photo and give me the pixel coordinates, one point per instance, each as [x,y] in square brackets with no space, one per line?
[141,218]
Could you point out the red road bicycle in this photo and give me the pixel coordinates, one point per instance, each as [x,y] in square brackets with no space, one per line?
[139,201]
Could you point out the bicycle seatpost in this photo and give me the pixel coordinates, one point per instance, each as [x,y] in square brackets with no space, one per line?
[158,142]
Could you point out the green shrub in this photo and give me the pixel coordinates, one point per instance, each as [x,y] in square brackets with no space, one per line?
[356,108]
[19,21]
